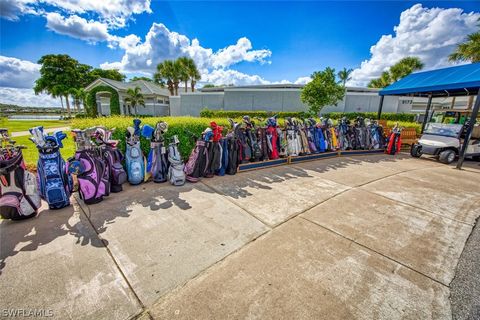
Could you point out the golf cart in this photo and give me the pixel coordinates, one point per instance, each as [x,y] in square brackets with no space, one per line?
[444,140]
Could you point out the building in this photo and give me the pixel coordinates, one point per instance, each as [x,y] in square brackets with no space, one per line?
[156,98]
[275,97]
[279,97]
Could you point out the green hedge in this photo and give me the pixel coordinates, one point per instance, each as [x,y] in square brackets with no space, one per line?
[184,127]
[206,113]
[407,117]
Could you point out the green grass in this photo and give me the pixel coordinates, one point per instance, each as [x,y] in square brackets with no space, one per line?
[24,125]
[30,154]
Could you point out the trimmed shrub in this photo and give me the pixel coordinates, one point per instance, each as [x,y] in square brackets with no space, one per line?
[406,117]
[207,113]
[187,128]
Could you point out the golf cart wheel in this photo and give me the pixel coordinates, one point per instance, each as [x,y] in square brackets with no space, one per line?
[416,151]
[447,156]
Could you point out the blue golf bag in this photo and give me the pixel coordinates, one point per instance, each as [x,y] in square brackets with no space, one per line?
[54,182]
[134,159]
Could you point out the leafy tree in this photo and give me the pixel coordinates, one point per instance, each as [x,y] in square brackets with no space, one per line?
[344,75]
[58,75]
[396,72]
[193,73]
[113,74]
[209,85]
[322,91]
[142,78]
[134,98]
[469,50]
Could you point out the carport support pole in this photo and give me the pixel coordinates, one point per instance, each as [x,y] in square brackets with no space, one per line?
[380,107]
[468,135]
[427,112]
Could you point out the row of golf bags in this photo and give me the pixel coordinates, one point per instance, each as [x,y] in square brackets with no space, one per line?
[98,163]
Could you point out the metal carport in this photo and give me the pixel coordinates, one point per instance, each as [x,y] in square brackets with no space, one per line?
[463,80]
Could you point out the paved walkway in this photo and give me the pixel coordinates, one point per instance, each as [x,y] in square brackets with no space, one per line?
[48,130]
[371,237]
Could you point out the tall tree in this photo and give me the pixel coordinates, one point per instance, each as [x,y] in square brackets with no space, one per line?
[134,98]
[322,91]
[396,72]
[142,78]
[169,72]
[404,67]
[344,75]
[183,65]
[112,74]
[469,50]
[189,72]
[58,74]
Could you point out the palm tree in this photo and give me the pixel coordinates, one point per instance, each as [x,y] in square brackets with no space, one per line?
[469,50]
[396,72]
[183,65]
[344,75]
[404,67]
[191,70]
[79,96]
[134,98]
[169,71]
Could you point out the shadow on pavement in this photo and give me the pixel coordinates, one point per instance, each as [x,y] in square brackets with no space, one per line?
[29,235]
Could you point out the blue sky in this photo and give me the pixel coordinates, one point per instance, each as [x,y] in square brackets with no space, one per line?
[280,41]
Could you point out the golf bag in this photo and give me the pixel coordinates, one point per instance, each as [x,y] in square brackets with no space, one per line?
[251,138]
[394,140]
[294,144]
[134,159]
[157,164]
[19,198]
[215,149]
[234,148]
[54,182]
[197,162]
[343,135]
[176,175]
[90,167]
[113,158]
[272,138]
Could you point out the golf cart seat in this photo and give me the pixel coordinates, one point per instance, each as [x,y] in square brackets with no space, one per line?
[476,132]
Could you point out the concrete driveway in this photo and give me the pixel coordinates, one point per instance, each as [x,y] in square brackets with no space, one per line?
[368,237]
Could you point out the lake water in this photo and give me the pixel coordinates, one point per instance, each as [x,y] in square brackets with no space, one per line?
[35,117]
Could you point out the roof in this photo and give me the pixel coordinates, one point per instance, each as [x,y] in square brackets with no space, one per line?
[458,80]
[146,87]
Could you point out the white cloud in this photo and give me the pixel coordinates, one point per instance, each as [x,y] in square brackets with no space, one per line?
[113,12]
[303,80]
[428,33]
[241,51]
[16,73]
[227,77]
[77,27]
[161,44]
[27,98]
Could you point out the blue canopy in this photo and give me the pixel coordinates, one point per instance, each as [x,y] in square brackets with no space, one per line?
[458,80]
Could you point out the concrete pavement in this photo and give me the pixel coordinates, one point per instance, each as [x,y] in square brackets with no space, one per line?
[355,237]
